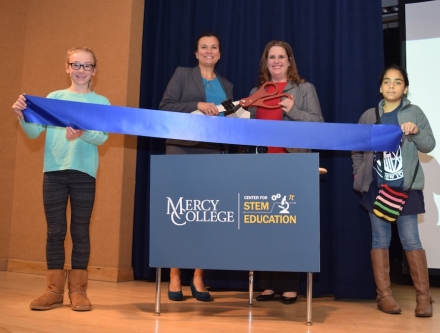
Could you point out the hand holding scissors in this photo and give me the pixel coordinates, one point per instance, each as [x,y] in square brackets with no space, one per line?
[210,109]
[261,96]
[287,104]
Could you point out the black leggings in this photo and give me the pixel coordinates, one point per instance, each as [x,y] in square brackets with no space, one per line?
[57,187]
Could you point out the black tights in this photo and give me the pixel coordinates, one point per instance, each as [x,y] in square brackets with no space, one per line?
[57,187]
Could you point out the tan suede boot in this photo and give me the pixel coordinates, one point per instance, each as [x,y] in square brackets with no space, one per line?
[77,280]
[381,269]
[53,297]
[418,268]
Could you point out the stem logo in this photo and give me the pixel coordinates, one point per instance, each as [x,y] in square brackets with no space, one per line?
[259,209]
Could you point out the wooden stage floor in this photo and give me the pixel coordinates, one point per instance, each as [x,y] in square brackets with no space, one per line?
[129,307]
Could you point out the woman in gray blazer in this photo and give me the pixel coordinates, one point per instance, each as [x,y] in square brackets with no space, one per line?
[190,89]
[278,66]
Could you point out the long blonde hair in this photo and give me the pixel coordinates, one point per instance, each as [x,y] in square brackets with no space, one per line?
[84,49]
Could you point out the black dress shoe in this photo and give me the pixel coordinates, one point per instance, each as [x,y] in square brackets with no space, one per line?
[202,296]
[288,300]
[264,298]
[175,295]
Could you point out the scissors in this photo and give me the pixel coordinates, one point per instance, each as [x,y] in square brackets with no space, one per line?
[261,96]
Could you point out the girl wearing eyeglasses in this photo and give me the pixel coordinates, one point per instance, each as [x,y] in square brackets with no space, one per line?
[70,167]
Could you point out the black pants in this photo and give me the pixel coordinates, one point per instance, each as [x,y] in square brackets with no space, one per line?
[58,186]
[279,282]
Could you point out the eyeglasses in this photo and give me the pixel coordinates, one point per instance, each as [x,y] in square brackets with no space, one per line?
[77,66]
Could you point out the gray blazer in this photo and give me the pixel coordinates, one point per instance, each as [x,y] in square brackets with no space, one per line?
[184,91]
[306,107]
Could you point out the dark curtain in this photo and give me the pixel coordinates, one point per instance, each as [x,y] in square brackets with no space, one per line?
[337,46]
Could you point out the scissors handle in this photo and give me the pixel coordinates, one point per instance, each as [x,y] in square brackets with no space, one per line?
[261,102]
[260,93]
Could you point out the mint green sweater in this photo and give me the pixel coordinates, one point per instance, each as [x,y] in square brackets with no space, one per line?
[80,154]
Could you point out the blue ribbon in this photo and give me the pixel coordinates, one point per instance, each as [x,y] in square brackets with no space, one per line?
[184,126]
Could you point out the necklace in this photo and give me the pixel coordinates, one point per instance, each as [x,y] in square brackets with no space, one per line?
[207,84]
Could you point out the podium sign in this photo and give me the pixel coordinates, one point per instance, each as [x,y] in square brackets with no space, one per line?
[236,212]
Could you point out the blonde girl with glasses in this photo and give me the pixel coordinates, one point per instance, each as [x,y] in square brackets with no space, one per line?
[70,167]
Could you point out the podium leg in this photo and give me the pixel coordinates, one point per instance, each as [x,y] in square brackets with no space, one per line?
[309,298]
[251,287]
[158,280]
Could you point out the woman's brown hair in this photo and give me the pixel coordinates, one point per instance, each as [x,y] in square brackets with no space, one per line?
[292,71]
